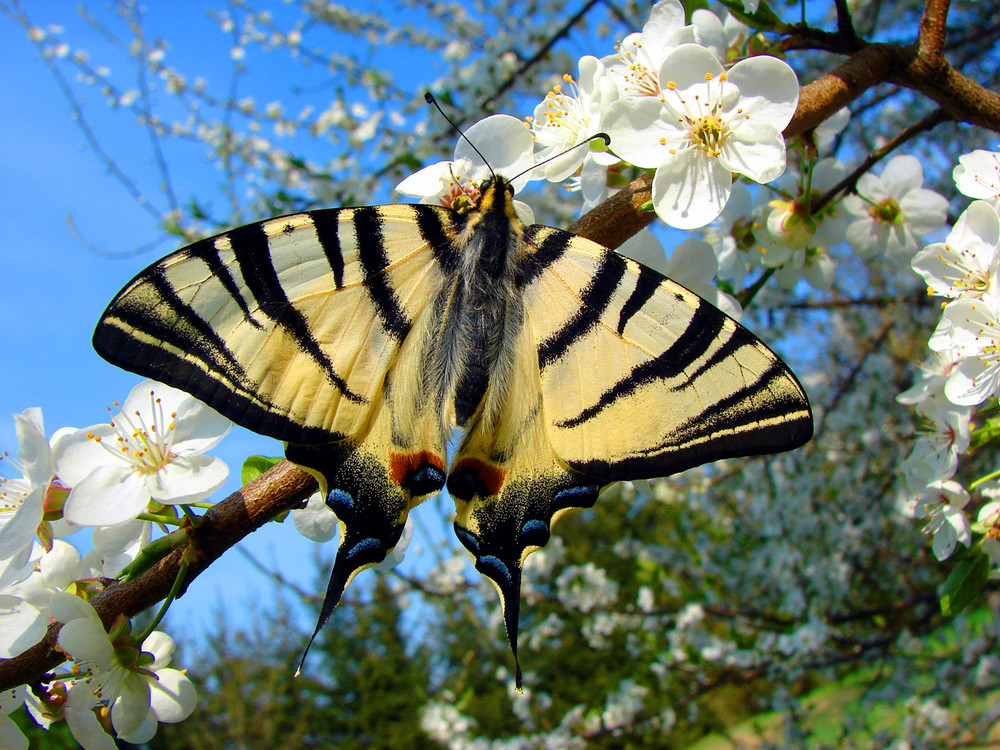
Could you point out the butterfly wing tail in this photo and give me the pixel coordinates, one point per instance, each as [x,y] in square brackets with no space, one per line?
[506,512]
[371,486]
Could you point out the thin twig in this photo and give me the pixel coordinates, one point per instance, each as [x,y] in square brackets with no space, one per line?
[848,184]
[539,55]
[933,25]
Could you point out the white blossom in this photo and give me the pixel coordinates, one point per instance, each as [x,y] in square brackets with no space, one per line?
[151,450]
[942,503]
[566,119]
[507,147]
[894,211]
[973,327]
[965,264]
[709,124]
[635,68]
[140,693]
[978,175]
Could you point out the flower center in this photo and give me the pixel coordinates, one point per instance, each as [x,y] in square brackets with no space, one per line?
[563,111]
[147,448]
[640,76]
[886,212]
[708,133]
[12,491]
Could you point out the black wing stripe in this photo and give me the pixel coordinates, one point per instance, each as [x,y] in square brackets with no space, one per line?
[438,237]
[784,424]
[371,251]
[163,316]
[327,225]
[594,301]
[553,246]
[645,287]
[159,314]
[726,351]
[207,252]
[250,245]
[701,333]
[737,410]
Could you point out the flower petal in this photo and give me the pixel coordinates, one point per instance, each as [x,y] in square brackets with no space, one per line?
[86,640]
[85,727]
[924,211]
[10,736]
[769,90]
[636,127]
[757,152]
[691,190]
[33,447]
[18,529]
[172,696]
[21,626]
[108,495]
[316,521]
[133,705]
[187,479]
[198,428]
[902,174]
[162,647]
[75,454]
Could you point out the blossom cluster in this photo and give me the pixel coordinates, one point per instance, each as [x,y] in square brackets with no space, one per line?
[668,105]
[962,370]
[118,480]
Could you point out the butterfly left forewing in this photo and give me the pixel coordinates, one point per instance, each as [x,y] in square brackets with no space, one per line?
[308,328]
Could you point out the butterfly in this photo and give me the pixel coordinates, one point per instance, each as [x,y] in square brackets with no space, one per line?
[364,338]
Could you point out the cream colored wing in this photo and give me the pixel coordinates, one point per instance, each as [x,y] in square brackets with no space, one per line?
[309,328]
[620,374]
[641,378]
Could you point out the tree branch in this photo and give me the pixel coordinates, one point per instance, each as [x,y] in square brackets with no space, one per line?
[280,489]
[848,184]
[930,41]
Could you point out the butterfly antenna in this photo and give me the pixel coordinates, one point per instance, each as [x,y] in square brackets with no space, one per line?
[602,136]
[429,98]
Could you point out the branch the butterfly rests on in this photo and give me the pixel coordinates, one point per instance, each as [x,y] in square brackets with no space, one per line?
[362,337]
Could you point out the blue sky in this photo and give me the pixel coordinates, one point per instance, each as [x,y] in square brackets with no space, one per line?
[53,288]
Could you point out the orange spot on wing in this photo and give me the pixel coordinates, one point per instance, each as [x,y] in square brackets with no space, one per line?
[491,475]
[402,465]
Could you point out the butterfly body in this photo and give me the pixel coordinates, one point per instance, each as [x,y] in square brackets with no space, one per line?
[364,336]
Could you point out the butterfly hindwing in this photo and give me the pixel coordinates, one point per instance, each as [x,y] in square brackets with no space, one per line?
[509,486]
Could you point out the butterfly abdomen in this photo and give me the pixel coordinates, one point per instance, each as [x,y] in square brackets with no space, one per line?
[483,314]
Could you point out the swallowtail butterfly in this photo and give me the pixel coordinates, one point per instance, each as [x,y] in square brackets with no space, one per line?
[363,336]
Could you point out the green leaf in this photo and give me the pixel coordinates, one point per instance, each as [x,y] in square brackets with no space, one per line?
[764,18]
[254,466]
[690,6]
[989,431]
[153,553]
[964,584]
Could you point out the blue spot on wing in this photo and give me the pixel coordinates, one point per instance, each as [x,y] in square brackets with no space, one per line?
[495,568]
[575,497]
[467,539]
[341,503]
[534,533]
